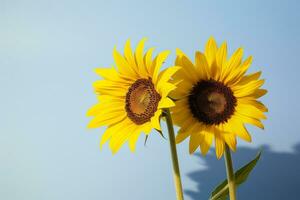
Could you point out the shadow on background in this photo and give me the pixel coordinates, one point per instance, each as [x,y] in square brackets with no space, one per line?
[275,177]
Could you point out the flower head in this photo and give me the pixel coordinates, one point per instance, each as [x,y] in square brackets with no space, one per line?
[131,96]
[215,98]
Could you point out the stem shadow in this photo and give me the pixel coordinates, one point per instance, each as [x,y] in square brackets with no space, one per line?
[275,177]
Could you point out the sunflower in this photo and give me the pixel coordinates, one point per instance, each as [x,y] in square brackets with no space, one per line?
[215,98]
[132,96]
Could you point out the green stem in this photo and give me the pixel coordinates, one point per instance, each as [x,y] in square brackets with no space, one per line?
[230,174]
[176,172]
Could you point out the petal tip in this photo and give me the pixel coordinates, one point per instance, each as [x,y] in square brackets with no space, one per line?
[179,52]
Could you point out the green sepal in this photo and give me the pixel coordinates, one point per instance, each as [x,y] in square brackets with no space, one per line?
[146,138]
[221,191]
[160,133]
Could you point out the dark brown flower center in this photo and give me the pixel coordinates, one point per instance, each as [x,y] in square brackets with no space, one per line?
[211,102]
[141,101]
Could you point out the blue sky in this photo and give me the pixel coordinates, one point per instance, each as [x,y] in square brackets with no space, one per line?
[48,51]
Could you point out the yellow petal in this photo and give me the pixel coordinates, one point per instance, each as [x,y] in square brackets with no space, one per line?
[245,65]
[195,140]
[112,88]
[190,70]
[248,89]
[107,134]
[129,56]
[258,93]
[250,111]
[105,84]
[132,140]
[250,120]
[110,99]
[108,73]
[165,103]
[221,57]
[219,143]
[185,131]
[94,109]
[112,130]
[102,108]
[259,105]
[233,62]
[243,133]
[202,65]
[255,93]
[210,50]
[180,53]
[206,142]
[161,57]
[237,74]
[181,136]
[181,104]
[182,90]
[147,127]
[166,74]
[236,126]
[123,66]
[180,117]
[109,118]
[165,89]
[121,137]
[155,120]
[249,78]
[148,60]
[187,72]
[163,86]
[177,95]
[140,58]
[230,141]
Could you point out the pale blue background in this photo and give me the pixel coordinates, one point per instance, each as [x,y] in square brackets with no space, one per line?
[48,50]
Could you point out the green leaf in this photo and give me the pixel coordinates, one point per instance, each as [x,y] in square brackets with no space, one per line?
[242,174]
[221,191]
